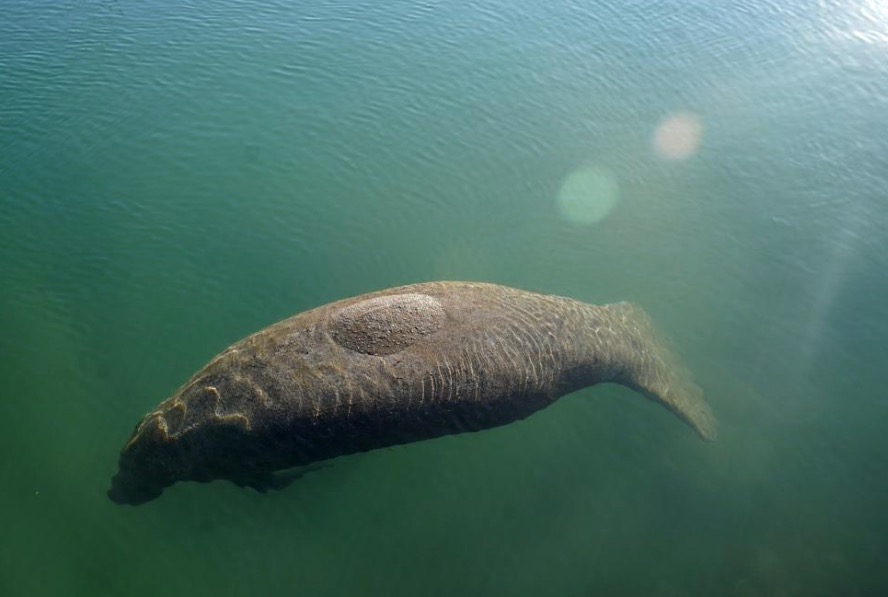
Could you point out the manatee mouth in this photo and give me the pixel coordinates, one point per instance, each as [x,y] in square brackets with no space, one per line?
[128,490]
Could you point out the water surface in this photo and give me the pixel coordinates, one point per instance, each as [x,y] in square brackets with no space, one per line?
[174,176]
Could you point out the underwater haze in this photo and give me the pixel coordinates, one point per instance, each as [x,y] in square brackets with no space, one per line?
[177,175]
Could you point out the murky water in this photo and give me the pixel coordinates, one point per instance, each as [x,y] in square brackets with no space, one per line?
[174,176]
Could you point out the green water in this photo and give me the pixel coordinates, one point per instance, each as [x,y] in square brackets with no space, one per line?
[174,176]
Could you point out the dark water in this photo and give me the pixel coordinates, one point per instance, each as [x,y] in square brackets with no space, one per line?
[176,175]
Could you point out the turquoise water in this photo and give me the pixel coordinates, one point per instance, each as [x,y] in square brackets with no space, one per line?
[174,176]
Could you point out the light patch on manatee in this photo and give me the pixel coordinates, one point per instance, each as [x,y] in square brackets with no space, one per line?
[588,195]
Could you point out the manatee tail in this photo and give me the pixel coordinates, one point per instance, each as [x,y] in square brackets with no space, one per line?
[654,370]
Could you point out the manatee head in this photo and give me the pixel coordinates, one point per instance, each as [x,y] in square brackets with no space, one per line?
[201,433]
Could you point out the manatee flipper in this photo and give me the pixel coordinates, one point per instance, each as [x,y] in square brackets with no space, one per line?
[260,481]
[285,478]
[275,481]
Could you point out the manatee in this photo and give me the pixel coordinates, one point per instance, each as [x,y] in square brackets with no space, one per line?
[393,367]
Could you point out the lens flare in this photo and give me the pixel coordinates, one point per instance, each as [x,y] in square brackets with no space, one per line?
[678,137]
[588,195]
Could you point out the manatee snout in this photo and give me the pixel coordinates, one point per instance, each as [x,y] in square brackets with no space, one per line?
[129,489]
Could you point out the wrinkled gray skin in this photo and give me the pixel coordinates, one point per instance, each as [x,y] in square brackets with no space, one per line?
[393,367]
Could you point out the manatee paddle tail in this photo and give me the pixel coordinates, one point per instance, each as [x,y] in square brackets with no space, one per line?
[393,367]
